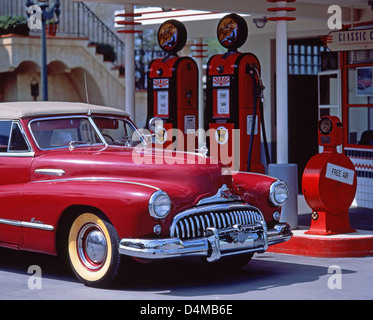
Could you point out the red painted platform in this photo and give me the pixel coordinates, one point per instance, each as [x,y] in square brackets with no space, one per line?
[355,244]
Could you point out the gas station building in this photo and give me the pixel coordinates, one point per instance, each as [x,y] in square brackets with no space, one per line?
[315,59]
[329,72]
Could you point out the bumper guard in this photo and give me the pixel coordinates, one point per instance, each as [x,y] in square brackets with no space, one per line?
[216,244]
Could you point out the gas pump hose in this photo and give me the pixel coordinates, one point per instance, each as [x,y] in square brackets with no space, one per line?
[256,87]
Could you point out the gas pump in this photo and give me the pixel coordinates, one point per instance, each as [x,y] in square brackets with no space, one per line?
[329,182]
[173,86]
[234,90]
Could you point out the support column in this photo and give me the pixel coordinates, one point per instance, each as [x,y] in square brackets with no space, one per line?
[282,89]
[283,170]
[199,56]
[282,76]
[44,67]
[129,61]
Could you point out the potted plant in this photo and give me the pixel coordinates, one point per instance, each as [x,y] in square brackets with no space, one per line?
[51,27]
[14,25]
[107,50]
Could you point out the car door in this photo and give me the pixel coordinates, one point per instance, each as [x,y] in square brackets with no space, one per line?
[15,161]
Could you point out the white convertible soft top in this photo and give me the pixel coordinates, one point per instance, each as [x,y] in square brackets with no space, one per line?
[28,109]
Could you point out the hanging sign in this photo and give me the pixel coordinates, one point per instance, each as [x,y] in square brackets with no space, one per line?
[350,40]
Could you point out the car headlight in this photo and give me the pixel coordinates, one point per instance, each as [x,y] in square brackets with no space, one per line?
[278,193]
[159,204]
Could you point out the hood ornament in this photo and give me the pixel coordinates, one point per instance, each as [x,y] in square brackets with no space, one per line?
[223,195]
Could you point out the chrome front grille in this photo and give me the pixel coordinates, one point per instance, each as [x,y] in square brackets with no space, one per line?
[193,224]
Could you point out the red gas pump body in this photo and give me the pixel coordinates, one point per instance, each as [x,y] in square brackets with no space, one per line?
[329,182]
[232,87]
[230,104]
[173,91]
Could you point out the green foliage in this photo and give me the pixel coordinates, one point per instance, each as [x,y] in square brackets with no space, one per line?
[214,47]
[52,21]
[14,24]
[107,50]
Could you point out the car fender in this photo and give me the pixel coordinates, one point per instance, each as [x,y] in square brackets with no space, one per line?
[254,189]
[44,202]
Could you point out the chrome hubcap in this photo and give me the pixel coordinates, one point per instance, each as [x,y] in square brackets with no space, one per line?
[95,246]
[92,246]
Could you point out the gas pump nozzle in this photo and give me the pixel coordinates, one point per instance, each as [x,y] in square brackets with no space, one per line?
[252,69]
[203,151]
[261,87]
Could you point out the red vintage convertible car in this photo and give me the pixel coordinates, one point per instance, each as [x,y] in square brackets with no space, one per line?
[69,184]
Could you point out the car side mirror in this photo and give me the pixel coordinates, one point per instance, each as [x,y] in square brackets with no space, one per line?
[155,124]
[148,138]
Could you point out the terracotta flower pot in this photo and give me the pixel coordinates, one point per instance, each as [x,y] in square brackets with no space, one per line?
[51,29]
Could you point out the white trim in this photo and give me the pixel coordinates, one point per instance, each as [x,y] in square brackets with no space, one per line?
[24,224]
[94,179]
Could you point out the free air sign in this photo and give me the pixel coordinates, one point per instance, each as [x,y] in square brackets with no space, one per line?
[339,173]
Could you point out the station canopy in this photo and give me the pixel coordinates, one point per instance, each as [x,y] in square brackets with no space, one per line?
[309,13]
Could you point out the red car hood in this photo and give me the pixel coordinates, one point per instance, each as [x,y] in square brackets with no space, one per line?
[180,175]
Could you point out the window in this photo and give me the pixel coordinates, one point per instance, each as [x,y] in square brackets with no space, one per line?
[17,140]
[360,85]
[360,97]
[11,137]
[4,135]
[118,132]
[60,133]
[329,93]
[361,56]
[360,125]
[305,56]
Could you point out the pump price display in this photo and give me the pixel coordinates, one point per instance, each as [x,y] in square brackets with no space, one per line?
[162,102]
[223,101]
[189,124]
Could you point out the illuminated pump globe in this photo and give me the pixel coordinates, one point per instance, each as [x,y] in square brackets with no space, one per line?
[172,36]
[232,31]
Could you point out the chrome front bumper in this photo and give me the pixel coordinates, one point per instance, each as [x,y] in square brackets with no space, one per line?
[216,244]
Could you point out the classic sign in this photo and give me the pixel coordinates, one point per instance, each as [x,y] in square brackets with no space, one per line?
[69,185]
[349,40]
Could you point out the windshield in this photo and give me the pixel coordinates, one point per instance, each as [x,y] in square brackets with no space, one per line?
[118,131]
[62,133]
